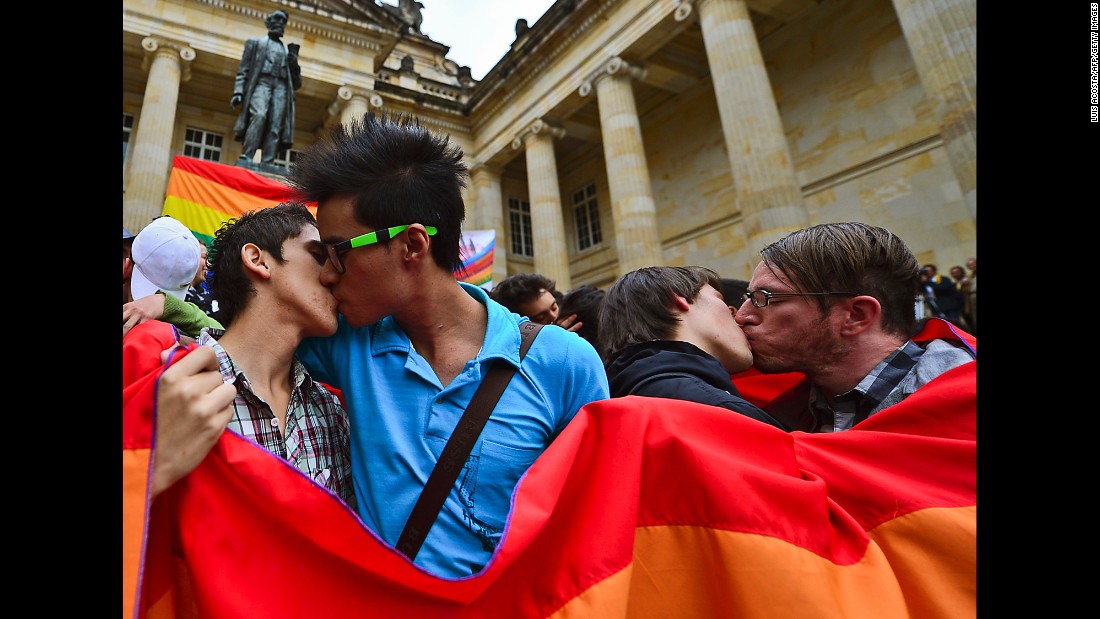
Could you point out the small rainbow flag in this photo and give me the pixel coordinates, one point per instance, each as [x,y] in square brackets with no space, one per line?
[476,252]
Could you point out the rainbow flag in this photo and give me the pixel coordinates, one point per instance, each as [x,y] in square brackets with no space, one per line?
[476,251]
[642,508]
[203,195]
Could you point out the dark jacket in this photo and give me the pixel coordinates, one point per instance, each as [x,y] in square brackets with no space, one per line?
[948,297]
[679,371]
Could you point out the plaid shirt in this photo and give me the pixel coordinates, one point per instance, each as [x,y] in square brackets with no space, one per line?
[865,398]
[317,439]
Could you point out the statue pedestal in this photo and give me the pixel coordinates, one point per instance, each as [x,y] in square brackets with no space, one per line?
[263,169]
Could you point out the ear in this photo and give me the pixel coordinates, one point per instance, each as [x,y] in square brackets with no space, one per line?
[254,261]
[127,268]
[863,312]
[681,303]
[418,244]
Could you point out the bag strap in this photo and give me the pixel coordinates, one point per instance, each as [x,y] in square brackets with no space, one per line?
[459,446]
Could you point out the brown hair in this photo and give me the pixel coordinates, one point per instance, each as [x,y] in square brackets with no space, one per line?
[851,257]
[639,306]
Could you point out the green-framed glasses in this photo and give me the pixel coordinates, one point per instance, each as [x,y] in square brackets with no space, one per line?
[336,250]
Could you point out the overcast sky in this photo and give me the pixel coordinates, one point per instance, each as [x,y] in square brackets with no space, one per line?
[479,32]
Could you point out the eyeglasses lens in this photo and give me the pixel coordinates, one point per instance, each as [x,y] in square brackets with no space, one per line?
[334,257]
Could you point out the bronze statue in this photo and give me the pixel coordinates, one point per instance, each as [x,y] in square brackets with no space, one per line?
[266,80]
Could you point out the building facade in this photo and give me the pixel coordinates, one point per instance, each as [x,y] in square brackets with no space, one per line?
[614,134]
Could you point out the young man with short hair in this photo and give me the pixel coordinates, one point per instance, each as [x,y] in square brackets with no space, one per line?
[835,302]
[267,274]
[414,343]
[668,332]
[528,294]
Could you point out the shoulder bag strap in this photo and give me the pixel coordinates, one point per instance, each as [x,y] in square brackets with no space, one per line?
[458,447]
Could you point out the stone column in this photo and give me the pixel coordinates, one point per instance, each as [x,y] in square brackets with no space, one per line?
[632,205]
[353,103]
[489,214]
[168,63]
[767,190]
[942,37]
[551,255]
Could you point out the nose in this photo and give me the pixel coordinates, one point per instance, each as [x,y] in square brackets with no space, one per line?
[329,276]
[744,314]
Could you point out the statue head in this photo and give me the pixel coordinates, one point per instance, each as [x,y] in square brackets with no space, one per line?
[276,21]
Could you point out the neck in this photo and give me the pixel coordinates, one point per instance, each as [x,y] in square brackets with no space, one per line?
[845,371]
[262,348]
[446,326]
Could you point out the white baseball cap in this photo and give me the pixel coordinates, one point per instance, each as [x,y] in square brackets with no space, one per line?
[166,257]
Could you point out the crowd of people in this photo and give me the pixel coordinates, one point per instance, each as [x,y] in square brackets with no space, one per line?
[953,298]
[356,366]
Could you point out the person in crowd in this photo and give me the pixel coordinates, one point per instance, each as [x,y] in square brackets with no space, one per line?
[835,301]
[529,294]
[583,304]
[559,296]
[413,343]
[199,292]
[127,264]
[971,293]
[972,265]
[535,296]
[942,296]
[268,264]
[164,259]
[669,333]
[962,285]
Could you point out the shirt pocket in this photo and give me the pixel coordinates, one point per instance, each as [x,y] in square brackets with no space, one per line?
[489,480]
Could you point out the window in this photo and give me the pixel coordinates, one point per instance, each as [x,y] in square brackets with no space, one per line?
[202,144]
[286,158]
[127,129]
[519,220]
[586,217]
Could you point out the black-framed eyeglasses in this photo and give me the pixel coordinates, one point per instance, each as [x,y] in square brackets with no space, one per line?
[761,298]
[336,250]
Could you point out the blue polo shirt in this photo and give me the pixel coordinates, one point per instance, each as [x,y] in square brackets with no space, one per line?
[401,417]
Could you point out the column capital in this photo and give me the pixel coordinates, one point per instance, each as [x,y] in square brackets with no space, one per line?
[535,128]
[344,95]
[157,45]
[683,10]
[478,168]
[616,66]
